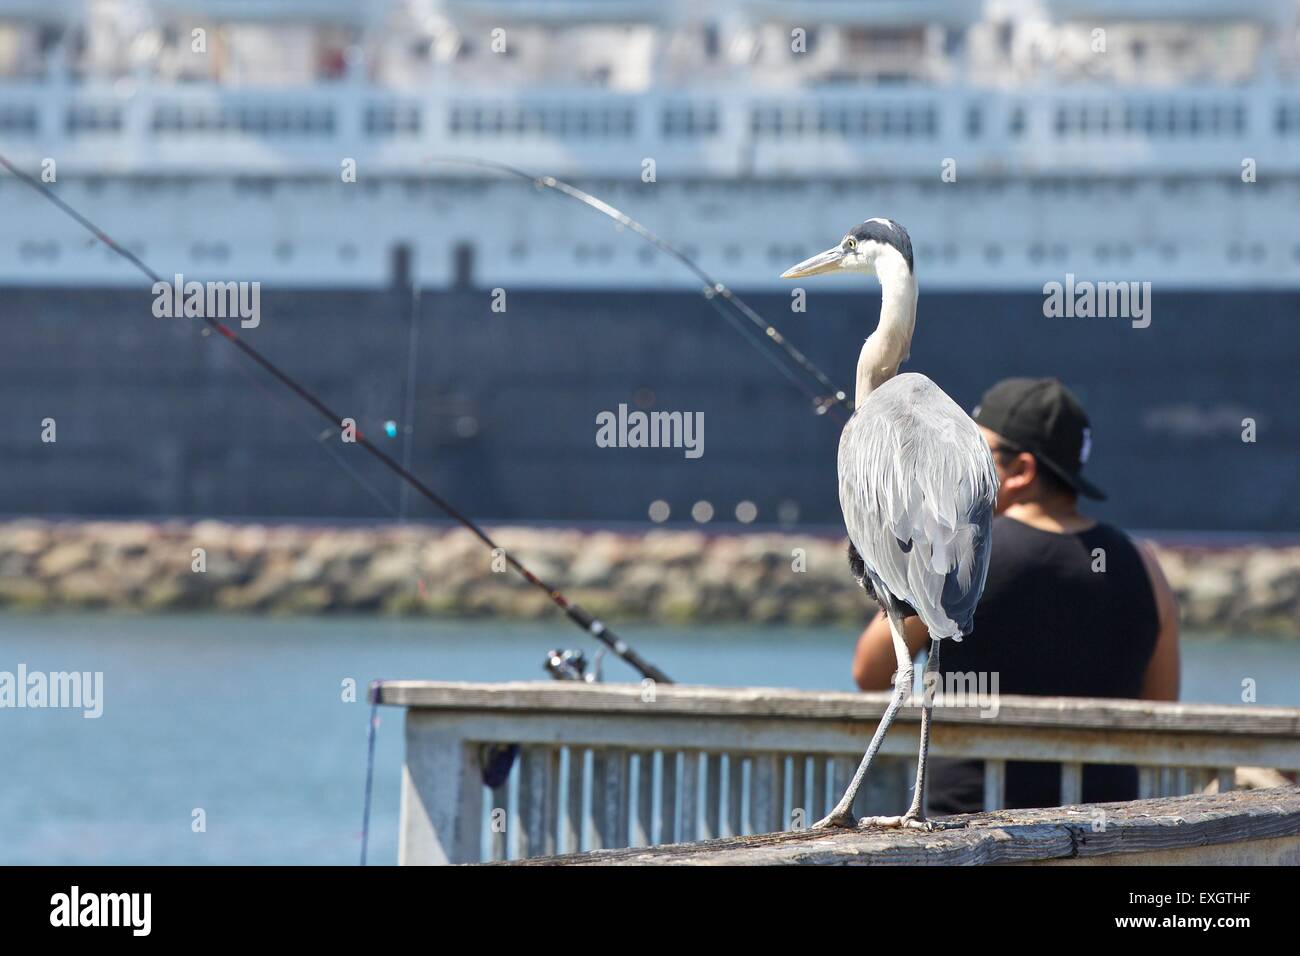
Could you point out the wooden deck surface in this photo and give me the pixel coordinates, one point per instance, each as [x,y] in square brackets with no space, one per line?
[1239,827]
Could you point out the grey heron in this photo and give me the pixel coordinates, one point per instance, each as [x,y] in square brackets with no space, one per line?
[917,489]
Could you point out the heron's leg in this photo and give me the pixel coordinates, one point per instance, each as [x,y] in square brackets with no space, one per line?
[842,815]
[914,818]
[917,810]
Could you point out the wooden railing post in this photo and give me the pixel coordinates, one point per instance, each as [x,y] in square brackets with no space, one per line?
[784,737]
[442,793]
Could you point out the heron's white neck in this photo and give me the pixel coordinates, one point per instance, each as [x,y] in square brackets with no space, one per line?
[888,346]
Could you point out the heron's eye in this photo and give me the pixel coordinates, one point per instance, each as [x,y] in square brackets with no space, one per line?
[850,243]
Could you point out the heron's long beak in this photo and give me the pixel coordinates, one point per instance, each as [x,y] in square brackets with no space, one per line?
[822,262]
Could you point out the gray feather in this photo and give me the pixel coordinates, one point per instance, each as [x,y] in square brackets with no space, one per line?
[917,488]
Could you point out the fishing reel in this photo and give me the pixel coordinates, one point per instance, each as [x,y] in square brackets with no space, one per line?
[824,403]
[572,665]
[497,760]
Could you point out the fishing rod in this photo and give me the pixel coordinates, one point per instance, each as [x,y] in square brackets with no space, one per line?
[714,292]
[592,625]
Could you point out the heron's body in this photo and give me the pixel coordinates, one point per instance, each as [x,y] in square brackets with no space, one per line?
[917,487]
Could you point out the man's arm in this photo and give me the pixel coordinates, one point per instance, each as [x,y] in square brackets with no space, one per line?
[874,661]
[1162,674]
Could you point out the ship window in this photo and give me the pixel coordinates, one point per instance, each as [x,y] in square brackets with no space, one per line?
[400,258]
[17,119]
[216,251]
[463,265]
[711,44]
[39,250]
[1016,125]
[393,119]
[92,118]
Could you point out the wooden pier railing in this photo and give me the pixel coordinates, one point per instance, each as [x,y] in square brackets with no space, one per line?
[1242,828]
[622,765]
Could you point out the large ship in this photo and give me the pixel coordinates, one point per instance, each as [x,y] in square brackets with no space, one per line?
[309,146]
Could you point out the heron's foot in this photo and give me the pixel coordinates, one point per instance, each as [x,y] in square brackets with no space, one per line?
[843,820]
[909,822]
[887,823]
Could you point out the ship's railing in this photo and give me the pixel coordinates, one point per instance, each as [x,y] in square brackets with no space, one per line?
[607,765]
[821,132]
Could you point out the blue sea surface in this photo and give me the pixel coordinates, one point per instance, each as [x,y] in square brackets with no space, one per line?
[243,719]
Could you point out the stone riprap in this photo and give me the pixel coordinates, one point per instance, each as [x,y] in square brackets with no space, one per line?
[666,576]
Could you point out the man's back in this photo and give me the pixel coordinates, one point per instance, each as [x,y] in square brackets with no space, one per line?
[1053,622]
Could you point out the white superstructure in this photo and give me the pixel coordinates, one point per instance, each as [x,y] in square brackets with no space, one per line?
[1099,138]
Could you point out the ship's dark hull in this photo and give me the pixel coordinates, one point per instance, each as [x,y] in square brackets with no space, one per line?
[154,419]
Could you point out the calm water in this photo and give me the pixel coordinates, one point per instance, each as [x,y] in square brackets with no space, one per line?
[242,717]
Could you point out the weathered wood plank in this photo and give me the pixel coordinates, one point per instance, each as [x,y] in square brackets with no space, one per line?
[841,773]
[734,825]
[441,812]
[798,793]
[690,829]
[571,827]
[995,784]
[1148,782]
[1238,821]
[536,802]
[669,800]
[1227,777]
[983,740]
[643,829]
[442,798]
[1099,713]
[764,797]
[609,798]
[1071,783]
[819,805]
[499,823]
[712,796]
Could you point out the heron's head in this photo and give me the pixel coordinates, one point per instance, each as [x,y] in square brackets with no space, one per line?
[866,248]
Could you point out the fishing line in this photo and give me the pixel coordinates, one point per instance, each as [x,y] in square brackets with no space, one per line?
[593,626]
[714,291]
[322,440]
[370,767]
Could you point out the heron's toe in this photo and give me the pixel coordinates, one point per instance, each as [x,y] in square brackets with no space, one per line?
[889,823]
[930,826]
[836,821]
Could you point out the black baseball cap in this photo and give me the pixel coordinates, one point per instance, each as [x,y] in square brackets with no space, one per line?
[1042,416]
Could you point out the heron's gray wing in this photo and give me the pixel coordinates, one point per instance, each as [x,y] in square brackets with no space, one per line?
[917,488]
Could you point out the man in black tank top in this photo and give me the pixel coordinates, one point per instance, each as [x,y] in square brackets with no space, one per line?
[1072,607]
